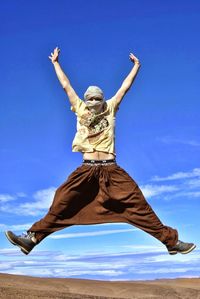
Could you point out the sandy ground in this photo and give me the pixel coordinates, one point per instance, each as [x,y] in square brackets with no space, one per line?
[27,287]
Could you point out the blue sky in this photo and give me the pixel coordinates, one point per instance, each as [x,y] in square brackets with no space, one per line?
[157,130]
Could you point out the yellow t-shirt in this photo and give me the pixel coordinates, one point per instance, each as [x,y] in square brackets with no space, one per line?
[95,132]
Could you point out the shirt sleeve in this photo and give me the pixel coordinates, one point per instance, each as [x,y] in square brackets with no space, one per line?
[78,107]
[113,106]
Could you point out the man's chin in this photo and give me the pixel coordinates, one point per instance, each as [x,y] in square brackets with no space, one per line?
[96,111]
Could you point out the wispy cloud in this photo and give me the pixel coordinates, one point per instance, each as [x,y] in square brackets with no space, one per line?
[15,227]
[91,234]
[7,197]
[183,184]
[124,265]
[150,190]
[194,183]
[170,270]
[179,175]
[41,201]
[170,140]
[195,195]
[178,258]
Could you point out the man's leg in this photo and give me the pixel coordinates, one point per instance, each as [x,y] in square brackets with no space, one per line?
[69,199]
[126,197]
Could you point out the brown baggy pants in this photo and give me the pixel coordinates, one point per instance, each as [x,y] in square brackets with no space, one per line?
[105,193]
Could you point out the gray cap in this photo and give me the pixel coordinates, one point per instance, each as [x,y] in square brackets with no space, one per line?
[93,91]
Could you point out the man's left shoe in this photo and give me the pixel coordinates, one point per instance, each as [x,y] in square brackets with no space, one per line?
[181,247]
[25,241]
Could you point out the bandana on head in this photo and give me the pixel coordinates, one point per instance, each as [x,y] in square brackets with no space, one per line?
[93,91]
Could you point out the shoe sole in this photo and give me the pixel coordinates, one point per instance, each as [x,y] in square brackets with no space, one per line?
[24,250]
[183,252]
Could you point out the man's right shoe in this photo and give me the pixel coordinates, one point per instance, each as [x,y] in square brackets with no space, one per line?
[181,247]
[26,241]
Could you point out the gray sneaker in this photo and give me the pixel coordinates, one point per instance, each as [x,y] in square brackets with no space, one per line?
[26,241]
[181,247]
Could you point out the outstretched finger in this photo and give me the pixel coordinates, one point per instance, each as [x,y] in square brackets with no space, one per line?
[133,56]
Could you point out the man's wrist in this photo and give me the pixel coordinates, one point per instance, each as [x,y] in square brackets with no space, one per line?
[55,62]
[136,61]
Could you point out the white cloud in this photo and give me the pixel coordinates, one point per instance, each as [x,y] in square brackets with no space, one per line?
[125,265]
[15,227]
[91,234]
[179,175]
[145,248]
[106,273]
[42,201]
[194,183]
[187,185]
[6,197]
[166,270]
[181,194]
[171,140]
[5,266]
[191,194]
[193,257]
[153,190]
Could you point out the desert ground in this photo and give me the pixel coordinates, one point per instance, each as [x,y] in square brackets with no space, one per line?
[27,287]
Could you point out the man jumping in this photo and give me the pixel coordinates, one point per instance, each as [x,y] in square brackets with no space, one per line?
[99,190]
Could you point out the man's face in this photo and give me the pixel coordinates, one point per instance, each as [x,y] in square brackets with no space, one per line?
[95,104]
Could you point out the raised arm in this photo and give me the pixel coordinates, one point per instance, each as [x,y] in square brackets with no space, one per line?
[126,85]
[63,78]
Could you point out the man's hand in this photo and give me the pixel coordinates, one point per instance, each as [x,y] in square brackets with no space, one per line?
[54,55]
[133,58]
[126,85]
[63,78]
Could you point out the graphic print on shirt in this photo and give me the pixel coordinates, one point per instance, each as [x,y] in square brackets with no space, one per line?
[95,125]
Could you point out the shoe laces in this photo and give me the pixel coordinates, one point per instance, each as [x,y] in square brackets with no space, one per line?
[27,235]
